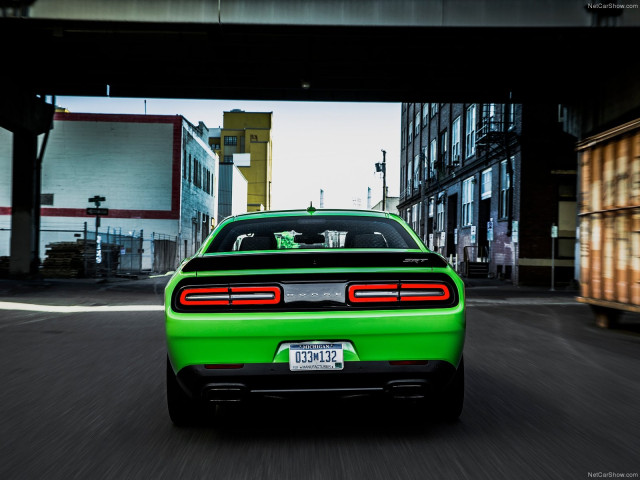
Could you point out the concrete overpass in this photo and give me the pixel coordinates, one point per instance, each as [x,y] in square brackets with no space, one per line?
[320,50]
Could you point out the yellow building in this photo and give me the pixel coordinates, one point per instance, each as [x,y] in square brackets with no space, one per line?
[245,140]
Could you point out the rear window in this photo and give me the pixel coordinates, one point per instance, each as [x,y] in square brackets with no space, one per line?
[287,233]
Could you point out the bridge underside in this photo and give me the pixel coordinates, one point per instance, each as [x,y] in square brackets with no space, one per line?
[313,62]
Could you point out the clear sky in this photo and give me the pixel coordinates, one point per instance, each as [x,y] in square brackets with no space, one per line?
[316,145]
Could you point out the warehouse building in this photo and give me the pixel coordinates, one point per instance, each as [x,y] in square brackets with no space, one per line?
[488,185]
[156,174]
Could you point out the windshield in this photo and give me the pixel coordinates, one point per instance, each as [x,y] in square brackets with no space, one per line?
[330,232]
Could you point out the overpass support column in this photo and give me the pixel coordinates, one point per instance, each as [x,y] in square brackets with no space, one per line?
[25,205]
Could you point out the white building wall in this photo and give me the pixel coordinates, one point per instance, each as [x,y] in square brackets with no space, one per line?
[136,158]
[239,195]
[6,149]
[136,162]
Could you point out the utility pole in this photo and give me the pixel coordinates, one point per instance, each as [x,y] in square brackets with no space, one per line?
[382,167]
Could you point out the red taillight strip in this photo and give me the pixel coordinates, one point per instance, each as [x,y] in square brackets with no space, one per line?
[373,293]
[394,292]
[203,296]
[420,292]
[224,296]
[255,295]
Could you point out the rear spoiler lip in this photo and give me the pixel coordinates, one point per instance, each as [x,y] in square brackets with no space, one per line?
[305,259]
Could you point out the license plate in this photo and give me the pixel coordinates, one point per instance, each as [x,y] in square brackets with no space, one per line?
[316,356]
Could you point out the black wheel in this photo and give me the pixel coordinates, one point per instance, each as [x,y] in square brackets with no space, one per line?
[453,397]
[184,411]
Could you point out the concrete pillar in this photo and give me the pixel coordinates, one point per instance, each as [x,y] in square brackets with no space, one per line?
[25,205]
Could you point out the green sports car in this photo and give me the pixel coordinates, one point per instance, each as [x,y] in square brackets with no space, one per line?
[314,302]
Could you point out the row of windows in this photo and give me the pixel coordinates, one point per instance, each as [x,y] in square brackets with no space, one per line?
[437,154]
[468,198]
[493,116]
[195,172]
[434,157]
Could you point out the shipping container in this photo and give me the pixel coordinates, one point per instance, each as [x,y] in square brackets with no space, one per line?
[609,214]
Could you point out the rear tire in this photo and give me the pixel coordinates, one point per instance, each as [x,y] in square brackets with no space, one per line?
[184,411]
[452,400]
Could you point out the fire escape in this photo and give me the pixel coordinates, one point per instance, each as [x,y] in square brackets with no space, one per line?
[496,139]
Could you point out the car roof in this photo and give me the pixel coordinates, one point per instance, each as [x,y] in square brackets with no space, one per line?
[309,212]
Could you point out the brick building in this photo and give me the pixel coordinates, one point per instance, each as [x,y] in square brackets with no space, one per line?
[157,174]
[483,184]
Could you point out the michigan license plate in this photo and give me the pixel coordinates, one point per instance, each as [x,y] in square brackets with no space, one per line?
[316,356]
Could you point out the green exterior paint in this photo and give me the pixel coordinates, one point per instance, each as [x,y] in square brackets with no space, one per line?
[257,337]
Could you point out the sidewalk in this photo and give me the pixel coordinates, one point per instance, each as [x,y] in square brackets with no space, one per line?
[483,291]
[486,287]
[84,291]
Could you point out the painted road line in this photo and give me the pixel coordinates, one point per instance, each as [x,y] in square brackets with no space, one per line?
[30,307]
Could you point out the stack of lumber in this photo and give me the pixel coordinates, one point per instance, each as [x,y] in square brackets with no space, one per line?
[65,260]
[69,259]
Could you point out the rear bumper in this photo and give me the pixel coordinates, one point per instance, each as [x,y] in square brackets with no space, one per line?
[276,380]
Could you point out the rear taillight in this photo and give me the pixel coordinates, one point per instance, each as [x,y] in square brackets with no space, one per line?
[255,295]
[226,296]
[387,292]
[398,292]
[420,292]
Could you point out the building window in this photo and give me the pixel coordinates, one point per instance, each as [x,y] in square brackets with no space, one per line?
[467,201]
[505,185]
[189,168]
[415,217]
[424,161]
[485,185]
[410,132]
[417,124]
[512,116]
[433,155]
[425,113]
[184,164]
[470,131]
[409,176]
[416,172]
[231,141]
[434,109]
[431,203]
[455,142]
[491,118]
[440,214]
[443,148]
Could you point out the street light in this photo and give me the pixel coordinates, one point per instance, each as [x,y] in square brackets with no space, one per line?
[382,167]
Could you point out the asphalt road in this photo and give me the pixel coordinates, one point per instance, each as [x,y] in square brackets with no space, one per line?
[548,396]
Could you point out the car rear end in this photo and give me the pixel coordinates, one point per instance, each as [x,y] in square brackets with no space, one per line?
[333,321]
